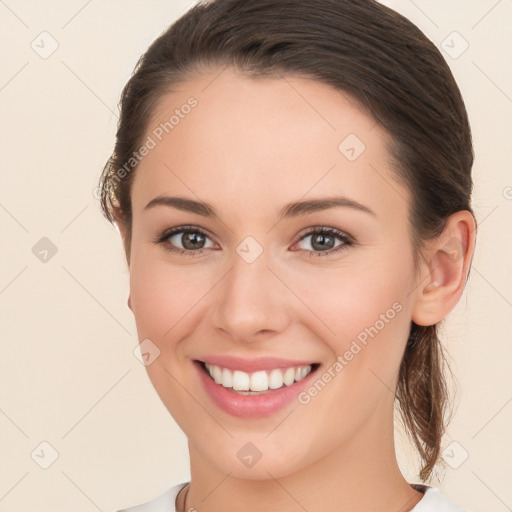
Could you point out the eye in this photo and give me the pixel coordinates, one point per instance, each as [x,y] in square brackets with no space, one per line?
[323,241]
[191,240]
[187,240]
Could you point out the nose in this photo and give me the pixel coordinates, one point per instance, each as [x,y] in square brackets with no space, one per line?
[250,302]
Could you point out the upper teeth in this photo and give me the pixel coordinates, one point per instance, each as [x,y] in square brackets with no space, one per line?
[257,381]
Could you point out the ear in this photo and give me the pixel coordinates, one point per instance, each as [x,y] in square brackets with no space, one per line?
[120,221]
[445,268]
[123,230]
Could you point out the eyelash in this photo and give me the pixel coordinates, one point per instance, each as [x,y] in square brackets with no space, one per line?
[163,239]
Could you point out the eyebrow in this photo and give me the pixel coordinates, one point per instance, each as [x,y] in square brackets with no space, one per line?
[290,210]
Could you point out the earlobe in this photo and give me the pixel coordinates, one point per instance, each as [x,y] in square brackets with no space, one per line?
[445,270]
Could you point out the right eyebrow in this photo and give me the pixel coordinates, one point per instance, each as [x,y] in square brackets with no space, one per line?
[182,203]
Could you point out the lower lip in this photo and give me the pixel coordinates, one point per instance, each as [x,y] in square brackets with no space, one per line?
[251,406]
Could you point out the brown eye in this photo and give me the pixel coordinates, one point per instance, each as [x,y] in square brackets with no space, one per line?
[185,240]
[325,241]
[190,240]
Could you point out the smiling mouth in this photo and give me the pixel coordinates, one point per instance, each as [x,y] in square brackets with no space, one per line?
[259,382]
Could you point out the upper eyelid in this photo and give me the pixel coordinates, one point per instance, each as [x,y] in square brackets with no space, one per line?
[181,229]
[322,228]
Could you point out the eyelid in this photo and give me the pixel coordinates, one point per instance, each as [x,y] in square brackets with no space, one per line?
[178,229]
[164,237]
[347,240]
[322,228]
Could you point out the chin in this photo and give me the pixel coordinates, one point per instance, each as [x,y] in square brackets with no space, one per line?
[256,460]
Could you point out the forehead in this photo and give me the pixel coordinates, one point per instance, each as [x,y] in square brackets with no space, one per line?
[260,140]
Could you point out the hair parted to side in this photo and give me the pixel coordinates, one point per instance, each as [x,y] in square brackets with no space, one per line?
[396,75]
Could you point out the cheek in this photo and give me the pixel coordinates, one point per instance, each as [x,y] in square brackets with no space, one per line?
[165,303]
[164,296]
[363,315]
[369,318]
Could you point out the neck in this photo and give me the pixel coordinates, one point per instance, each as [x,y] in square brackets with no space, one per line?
[362,476]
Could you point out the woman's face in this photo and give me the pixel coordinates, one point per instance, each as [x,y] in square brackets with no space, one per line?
[262,283]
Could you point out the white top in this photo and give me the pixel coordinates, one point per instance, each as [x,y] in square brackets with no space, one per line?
[432,501]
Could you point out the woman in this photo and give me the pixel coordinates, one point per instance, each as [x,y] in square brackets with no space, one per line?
[292,183]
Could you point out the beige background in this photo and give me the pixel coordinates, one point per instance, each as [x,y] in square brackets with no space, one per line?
[68,373]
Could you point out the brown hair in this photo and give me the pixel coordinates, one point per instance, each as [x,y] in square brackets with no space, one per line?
[393,71]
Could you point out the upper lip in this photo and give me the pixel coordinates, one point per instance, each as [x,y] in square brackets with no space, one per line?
[253,365]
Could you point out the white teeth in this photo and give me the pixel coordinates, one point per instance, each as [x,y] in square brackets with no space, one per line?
[241,380]
[217,374]
[275,380]
[257,381]
[289,376]
[227,378]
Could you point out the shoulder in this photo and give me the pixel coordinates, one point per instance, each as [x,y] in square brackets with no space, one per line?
[435,501]
[165,502]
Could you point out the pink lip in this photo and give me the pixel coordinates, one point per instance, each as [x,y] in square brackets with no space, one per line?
[255,406]
[253,365]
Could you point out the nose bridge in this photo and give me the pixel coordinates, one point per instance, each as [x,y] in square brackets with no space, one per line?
[249,301]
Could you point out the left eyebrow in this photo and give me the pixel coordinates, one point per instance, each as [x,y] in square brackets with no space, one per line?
[314,205]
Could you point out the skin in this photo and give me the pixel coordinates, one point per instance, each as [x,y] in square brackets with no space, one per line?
[248,148]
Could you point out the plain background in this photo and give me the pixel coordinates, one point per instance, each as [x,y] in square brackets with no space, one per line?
[69,376]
